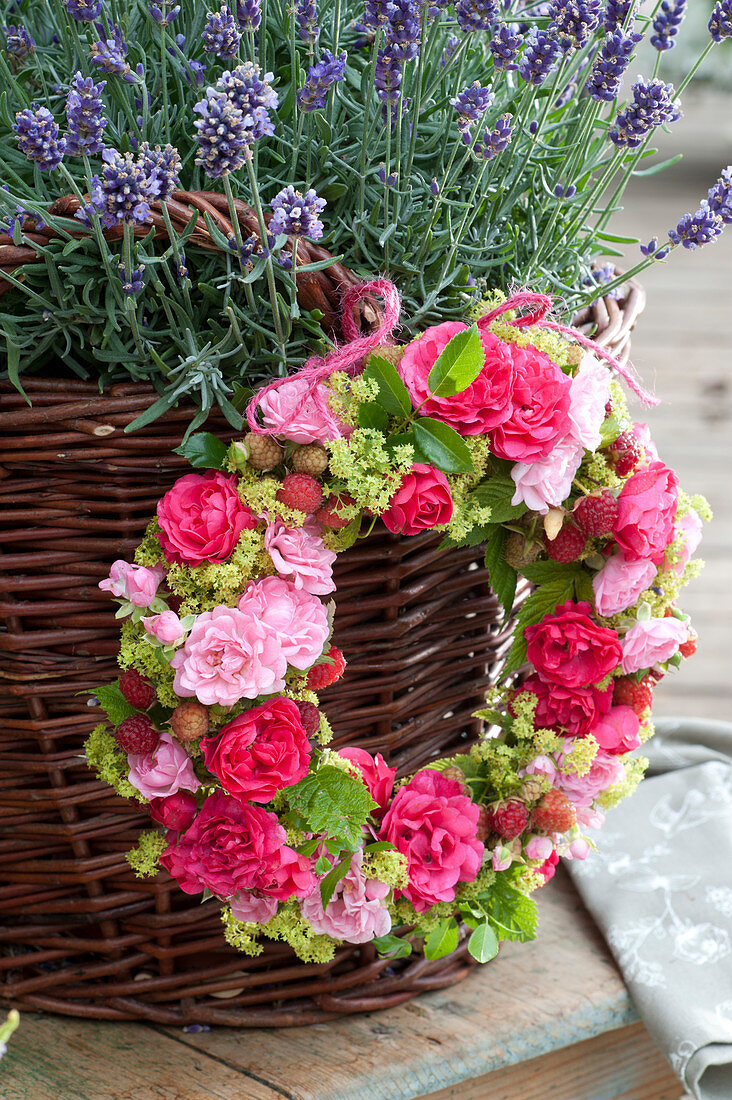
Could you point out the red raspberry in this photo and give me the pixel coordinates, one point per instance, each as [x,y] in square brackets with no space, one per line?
[328,514]
[322,676]
[608,407]
[637,694]
[688,648]
[626,453]
[300,491]
[509,818]
[484,826]
[138,691]
[596,515]
[309,716]
[189,721]
[555,813]
[568,545]
[136,734]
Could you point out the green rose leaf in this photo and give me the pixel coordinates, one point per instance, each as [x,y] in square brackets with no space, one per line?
[458,365]
[497,494]
[502,576]
[373,415]
[442,940]
[442,446]
[393,394]
[332,802]
[392,947]
[544,601]
[483,943]
[331,880]
[203,450]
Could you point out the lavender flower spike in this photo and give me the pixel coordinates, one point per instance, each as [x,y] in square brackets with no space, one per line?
[505,45]
[610,64]
[653,105]
[85,116]
[296,214]
[539,57]
[164,12]
[720,24]
[20,43]
[666,24]
[84,11]
[221,35]
[224,134]
[471,104]
[38,138]
[617,12]
[162,164]
[249,91]
[696,230]
[249,14]
[326,72]
[476,15]
[306,16]
[574,21]
[109,53]
[124,190]
[494,141]
[719,198]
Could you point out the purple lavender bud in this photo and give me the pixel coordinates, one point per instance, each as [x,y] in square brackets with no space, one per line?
[720,24]
[326,72]
[570,192]
[124,190]
[132,283]
[251,93]
[196,73]
[599,276]
[388,75]
[574,22]
[494,141]
[382,172]
[476,15]
[610,64]
[85,117]
[221,36]
[435,187]
[164,12]
[250,247]
[296,214]
[306,16]
[653,105]
[539,57]
[696,230]
[652,251]
[109,53]
[533,127]
[470,105]
[249,14]
[38,138]
[559,191]
[224,134]
[84,11]
[505,45]
[20,43]
[666,24]
[162,164]
[720,196]
[617,12]
[450,46]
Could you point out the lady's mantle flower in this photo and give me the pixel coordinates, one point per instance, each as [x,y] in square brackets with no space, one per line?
[539,57]
[296,214]
[720,24]
[20,43]
[38,138]
[124,190]
[85,116]
[610,64]
[326,72]
[306,16]
[84,11]
[574,21]
[505,45]
[109,53]
[471,104]
[653,105]
[221,35]
[224,134]
[494,141]
[666,24]
[476,15]
[696,230]
[163,164]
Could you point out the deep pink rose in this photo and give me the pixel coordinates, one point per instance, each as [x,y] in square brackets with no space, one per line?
[652,641]
[164,771]
[298,410]
[618,731]
[299,553]
[377,775]
[422,501]
[484,404]
[435,826]
[539,416]
[606,771]
[175,812]
[166,627]
[135,583]
[620,582]
[646,513]
[260,751]
[569,648]
[296,618]
[356,912]
[201,518]
[567,710]
[232,846]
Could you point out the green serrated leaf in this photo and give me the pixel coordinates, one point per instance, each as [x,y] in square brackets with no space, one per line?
[393,394]
[503,577]
[331,880]
[113,703]
[392,947]
[334,803]
[544,572]
[483,943]
[496,494]
[203,450]
[442,446]
[512,914]
[458,365]
[442,940]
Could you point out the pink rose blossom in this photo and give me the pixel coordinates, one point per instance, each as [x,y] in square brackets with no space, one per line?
[201,518]
[228,656]
[547,483]
[540,412]
[618,731]
[135,583]
[578,849]
[164,771]
[165,627]
[175,811]
[568,710]
[548,867]
[356,912]
[300,553]
[642,434]
[296,618]
[589,818]
[487,400]
[646,513]
[299,411]
[539,847]
[570,648]
[620,582]
[378,777]
[588,397]
[650,642]
[689,526]
[605,772]
[422,501]
[540,765]
[253,908]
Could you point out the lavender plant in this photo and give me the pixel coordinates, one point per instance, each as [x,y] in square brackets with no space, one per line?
[455,148]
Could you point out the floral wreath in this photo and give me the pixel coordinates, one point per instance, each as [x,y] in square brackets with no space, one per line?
[510,431]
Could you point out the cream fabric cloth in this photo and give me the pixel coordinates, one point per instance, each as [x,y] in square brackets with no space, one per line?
[660,889]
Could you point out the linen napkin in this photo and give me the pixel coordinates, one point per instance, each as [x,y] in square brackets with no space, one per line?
[660,889]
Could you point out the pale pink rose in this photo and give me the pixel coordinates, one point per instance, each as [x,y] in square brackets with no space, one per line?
[642,434]
[589,818]
[253,908]
[164,771]
[299,411]
[228,656]
[300,553]
[578,849]
[618,731]
[605,772]
[690,527]
[165,627]
[135,583]
[587,400]
[651,642]
[296,618]
[540,765]
[539,847]
[547,483]
[620,582]
[356,912]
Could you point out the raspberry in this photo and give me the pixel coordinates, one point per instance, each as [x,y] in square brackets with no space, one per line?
[509,818]
[688,648]
[637,694]
[138,691]
[457,775]
[555,813]
[136,734]
[189,720]
[263,453]
[608,407]
[309,716]
[520,552]
[626,453]
[568,545]
[596,515]
[312,459]
[321,676]
[483,830]
[393,353]
[328,514]
[300,491]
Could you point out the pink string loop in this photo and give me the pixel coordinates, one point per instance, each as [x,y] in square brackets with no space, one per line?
[517,301]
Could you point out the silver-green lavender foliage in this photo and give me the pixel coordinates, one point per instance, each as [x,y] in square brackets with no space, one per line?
[458,149]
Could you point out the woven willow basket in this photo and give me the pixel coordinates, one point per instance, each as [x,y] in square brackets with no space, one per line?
[424,636]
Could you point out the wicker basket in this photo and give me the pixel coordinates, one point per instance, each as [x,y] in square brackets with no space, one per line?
[80,934]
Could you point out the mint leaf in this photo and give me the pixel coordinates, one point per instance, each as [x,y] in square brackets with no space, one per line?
[503,577]
[483,943]
[442,940]
[458,365]
[203,450]
[113,703]
[334,803]
[392,947]
[497,494]
[544,601]
[393,394]
[442,446]
[511,914]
